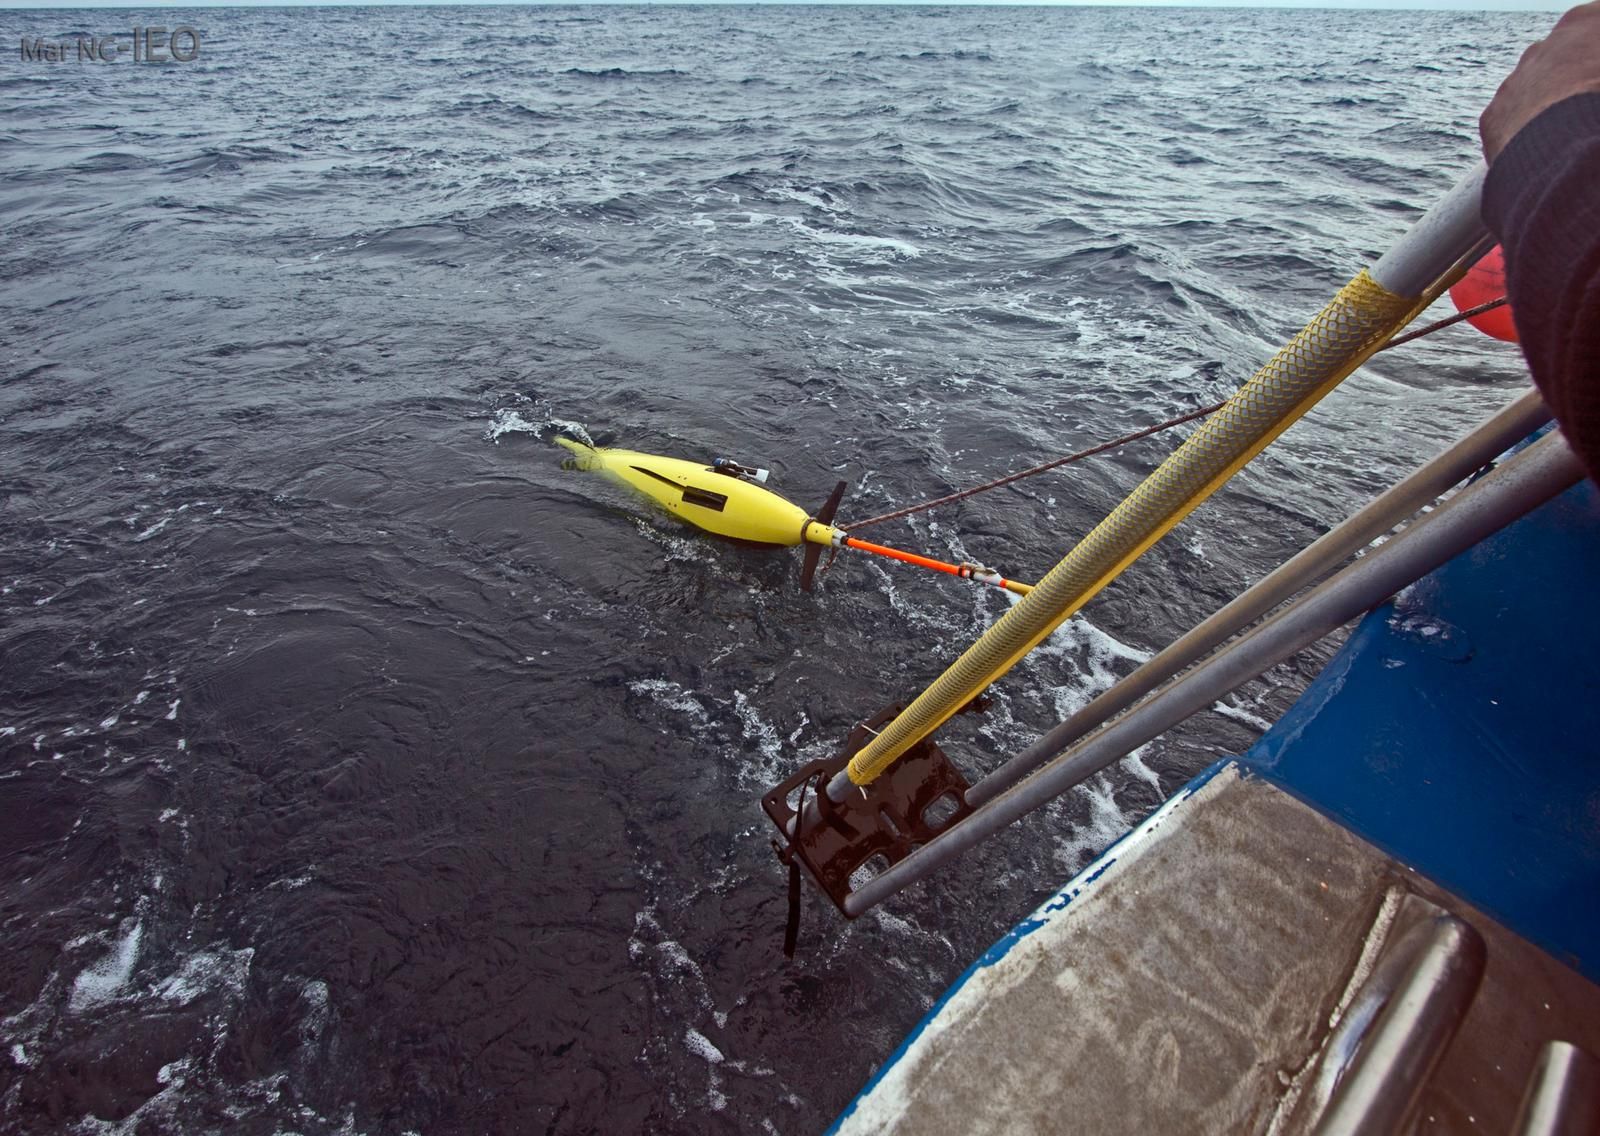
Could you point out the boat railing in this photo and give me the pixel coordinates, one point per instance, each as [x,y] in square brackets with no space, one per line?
[1395,1030]
[1514,488]
[1563,1095]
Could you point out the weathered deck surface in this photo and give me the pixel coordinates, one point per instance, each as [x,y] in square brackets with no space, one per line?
[1188,984]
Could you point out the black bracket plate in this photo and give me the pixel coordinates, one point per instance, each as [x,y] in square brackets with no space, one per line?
[890,818]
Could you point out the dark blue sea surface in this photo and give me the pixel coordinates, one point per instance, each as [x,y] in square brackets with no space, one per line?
[363,770]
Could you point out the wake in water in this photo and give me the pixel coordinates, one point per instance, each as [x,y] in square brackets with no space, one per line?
[527,418]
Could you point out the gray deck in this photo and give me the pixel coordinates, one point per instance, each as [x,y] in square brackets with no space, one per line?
[1190,986]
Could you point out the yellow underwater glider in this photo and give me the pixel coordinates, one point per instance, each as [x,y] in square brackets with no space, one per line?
[730,500]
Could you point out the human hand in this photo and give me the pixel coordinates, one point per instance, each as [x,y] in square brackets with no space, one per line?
[1565,64]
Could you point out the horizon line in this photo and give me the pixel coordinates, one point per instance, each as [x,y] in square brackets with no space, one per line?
[1520,6]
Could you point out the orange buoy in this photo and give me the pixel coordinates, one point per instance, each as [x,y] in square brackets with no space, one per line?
[1483,282]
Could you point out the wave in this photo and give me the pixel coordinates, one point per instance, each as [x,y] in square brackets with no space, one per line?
[611,73]
[493,104]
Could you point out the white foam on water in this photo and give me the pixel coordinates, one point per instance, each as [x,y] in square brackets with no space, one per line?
[892,922]
[1101,643]
[154,529]
[1106,825]
[1094,653]
[677,958]
[566,425]
[669,965]
[30,1025]
[869,248]
[1240,714]
[106,979]
[860,242]
[803,197]
[756,728]
[1134,764]
[509,422]
[805,720]
[670,696]
[204,972]
[826,274]
[162,1112]
[315,995]
[937,621]
[172,1070]
[681,543]
[701,1046]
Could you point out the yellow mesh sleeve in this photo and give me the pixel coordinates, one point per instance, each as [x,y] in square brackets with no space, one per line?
[1354,324]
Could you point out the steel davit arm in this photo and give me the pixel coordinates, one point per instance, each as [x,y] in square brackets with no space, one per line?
[1364,315]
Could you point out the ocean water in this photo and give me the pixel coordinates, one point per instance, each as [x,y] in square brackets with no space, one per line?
[363,770]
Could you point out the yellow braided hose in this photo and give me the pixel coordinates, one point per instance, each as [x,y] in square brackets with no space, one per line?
[1355,323]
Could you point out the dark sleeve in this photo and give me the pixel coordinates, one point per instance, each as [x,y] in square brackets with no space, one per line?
[1542,199]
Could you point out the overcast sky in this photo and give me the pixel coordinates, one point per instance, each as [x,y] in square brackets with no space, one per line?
[1461,5]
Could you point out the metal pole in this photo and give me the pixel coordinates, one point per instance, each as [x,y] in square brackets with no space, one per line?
[1453,228]
[1513,423]
[1518,485]
[1423,1007]
[1563,1096]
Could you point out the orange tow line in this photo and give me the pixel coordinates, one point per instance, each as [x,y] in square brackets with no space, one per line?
[966,571]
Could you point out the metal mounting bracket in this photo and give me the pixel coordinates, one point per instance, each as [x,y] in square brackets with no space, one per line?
[922,795]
